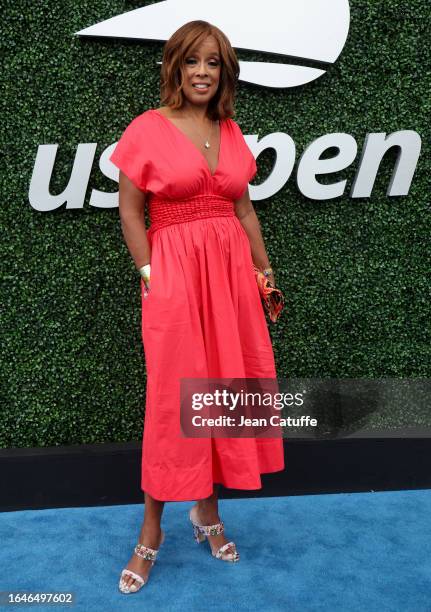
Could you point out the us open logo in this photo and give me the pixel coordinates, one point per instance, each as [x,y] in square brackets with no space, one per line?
[309,30]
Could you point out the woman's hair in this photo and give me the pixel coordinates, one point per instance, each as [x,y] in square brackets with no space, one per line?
[175,51]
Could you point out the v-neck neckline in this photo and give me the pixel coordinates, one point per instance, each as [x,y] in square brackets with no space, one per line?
[212,175]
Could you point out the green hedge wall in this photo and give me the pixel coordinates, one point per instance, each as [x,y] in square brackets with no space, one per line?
[355,272]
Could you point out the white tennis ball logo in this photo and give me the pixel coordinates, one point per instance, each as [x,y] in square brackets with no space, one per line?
[314,30]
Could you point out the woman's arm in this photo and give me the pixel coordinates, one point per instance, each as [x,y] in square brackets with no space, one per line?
[247,216]
[132,208]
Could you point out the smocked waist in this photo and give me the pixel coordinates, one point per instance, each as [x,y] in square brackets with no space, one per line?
[164,212]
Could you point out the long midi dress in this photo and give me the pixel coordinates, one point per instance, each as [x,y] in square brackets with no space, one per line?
[203,316]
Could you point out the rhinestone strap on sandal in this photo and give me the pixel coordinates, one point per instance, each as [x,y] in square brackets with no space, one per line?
[200,532]
[145,553]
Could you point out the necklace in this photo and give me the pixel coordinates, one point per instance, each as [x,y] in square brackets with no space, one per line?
[206,144]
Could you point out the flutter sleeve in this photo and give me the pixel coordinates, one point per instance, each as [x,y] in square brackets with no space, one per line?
[252,167]
[130,156]
[249,162]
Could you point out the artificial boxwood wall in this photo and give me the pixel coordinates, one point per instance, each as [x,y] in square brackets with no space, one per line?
[355,272]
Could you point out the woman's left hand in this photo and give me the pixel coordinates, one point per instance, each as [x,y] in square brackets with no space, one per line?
[271,279]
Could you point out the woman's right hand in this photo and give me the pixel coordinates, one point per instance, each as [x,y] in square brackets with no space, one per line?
[146,287]
[146,278]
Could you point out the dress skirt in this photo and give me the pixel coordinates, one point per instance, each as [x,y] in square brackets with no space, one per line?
[202,318]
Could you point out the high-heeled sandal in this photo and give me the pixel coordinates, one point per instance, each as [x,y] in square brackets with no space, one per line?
[145,553]
[200,532]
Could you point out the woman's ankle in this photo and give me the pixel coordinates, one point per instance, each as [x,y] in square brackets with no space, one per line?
[151,533]
[207,512]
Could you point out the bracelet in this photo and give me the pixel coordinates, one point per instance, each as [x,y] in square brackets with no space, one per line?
[144,271]
[267,271]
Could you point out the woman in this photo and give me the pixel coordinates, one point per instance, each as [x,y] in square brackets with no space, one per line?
[201,310]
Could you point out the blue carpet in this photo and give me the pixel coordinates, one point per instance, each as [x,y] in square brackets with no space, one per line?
[351,551]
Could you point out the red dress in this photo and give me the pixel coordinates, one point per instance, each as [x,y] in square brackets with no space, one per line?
[203,316]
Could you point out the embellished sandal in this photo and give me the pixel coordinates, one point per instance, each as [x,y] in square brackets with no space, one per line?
[200,532]
[145,553]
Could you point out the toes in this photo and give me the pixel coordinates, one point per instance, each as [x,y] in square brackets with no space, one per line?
[128,580]
[231,552]
[235,554]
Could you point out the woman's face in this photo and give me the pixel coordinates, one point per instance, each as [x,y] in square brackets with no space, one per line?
[202,65]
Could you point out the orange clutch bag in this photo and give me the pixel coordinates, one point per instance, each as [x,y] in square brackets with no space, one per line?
[272,297]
